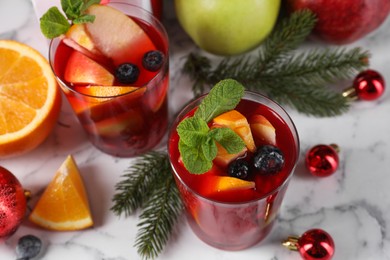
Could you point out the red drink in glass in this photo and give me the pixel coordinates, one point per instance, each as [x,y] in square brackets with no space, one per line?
[120,118]
[236,219]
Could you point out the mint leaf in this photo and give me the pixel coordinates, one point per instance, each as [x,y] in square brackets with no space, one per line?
[228,139]
[72,8]
[193,131]
[194,159]
[88,3]
[87,18]
[224,96]
[209,149]
[197,142]
[53,23]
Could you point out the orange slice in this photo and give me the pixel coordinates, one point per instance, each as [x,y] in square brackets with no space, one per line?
[109,91]
[224,183]
[30,100]
[64,204]
[98,98]
[239,124]
[217,184]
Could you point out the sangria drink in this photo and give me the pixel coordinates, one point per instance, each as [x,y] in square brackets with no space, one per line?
[234,204]
[114,73]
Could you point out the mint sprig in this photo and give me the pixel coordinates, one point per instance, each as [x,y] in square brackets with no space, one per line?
[197,144]
[53,23]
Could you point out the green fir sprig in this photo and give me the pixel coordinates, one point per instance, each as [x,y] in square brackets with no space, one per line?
[297,79]
[149,185]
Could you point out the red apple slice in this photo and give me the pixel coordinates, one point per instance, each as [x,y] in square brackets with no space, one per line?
[262,129]
[82,70]
[78,34]
[117,36]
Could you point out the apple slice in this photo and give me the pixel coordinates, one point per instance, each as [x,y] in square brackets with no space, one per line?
[78,34]
[117,36]
[262,129]
[223,158]
[239,124]
[82,70]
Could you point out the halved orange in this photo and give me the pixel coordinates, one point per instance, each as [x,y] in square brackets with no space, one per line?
[30,100]
[64,204]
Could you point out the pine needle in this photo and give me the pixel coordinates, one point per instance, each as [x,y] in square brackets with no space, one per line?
[138,182]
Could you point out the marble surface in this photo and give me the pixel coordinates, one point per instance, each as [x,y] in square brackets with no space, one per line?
[353,205]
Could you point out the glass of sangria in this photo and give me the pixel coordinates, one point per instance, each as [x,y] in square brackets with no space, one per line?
[234,205]
[114,73]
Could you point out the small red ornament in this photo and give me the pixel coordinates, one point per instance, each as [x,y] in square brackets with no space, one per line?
[13,203]
[314,244]
[322,160]
[368,85]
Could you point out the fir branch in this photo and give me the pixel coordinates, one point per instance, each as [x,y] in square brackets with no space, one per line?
[158,218]
[148,184]
[140,179]
[288,35]
[292,78]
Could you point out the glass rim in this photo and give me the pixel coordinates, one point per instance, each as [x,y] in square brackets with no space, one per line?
[158,77]
[190,105]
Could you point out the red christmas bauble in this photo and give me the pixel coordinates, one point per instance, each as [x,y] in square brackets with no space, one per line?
[316,244]
[13,203]
[369,85]
[322,160]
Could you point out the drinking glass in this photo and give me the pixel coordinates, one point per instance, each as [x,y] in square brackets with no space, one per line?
[238,224]
[130,122]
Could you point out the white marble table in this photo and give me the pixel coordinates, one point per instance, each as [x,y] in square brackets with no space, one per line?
[353,205]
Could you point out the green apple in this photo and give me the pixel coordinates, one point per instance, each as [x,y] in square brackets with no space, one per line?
[227,27]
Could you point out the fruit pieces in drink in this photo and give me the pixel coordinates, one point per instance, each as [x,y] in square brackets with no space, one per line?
[265,183]
[99,60]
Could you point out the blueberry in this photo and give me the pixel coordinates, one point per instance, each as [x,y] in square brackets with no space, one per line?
[153,60]
[268,159]
[28,247]
[239,168]
[127,73]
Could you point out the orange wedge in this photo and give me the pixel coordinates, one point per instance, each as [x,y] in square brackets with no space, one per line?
[30,100]
[64,204]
